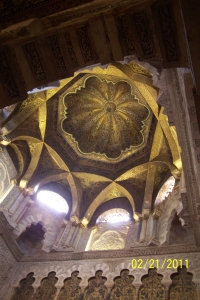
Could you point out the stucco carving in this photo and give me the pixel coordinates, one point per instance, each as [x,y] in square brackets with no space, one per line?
[151,286]
[123,288]
[109,240]
[169,208]
[71,289]
[25,290]
[7,263]
[182,287]
[47,289]
[96,288]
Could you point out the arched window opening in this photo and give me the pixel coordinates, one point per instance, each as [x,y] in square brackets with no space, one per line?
[31,240]
[115,215]
[52,200]
[111,230]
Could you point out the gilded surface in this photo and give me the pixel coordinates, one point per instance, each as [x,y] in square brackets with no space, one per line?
[116,130]
[151,288]
[104,117]
[182,287]
[96,289]
[47,289]
[110,75]
[71,289]
[123,288]
[25,290]
[139,69]
[109,240]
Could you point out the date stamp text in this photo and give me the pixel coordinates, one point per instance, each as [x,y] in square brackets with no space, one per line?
[167,263]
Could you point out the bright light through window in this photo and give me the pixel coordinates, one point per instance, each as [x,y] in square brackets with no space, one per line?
[53,201]
[115,215]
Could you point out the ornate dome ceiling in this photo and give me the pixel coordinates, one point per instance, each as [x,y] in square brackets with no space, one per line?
[105,117]
[101,134]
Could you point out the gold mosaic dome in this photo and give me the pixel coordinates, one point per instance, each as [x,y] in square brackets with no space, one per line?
[105,117]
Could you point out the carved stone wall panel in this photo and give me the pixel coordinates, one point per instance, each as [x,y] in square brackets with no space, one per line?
[182,286]
[47,289]
[111,268]
[25,290]
[144,46]
[169,207]
[7,263]
[123,288]
[58,56]
[35,63]
[151,286]
[106,236]
[96,290]
[71,289]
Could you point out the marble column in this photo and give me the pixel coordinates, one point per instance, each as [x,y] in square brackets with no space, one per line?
[155,236]
[143,229]
[61,233]
[78,235]
[70,236]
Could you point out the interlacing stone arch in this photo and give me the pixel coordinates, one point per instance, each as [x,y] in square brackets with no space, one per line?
[102,196]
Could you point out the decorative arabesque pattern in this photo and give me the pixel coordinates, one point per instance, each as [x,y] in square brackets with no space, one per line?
[57,54]
[104,117]
[25,290]
[123,288]
[70,50]
[96,289]
[84,43]
[71,289]
[169,32]
[182,287]
[34,61]
[47,289]
[109,240]
[143,33]
[152,288]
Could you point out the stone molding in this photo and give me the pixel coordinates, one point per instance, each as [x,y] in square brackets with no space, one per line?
[184,141]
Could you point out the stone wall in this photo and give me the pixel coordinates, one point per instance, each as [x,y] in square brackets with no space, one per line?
[8,265]
[111,267]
